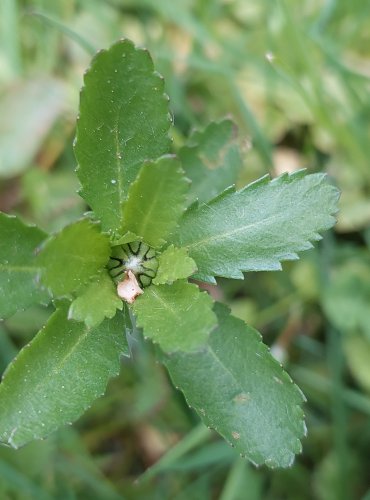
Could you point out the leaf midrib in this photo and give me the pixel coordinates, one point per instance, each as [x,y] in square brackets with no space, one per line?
[18,268]
[118,158]
[164,303]
[148,213]
[229,234]
[119,152]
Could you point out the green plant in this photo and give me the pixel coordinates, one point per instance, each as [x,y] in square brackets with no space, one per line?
[145,210]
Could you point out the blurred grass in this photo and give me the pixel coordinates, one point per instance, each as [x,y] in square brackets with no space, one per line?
[295,76]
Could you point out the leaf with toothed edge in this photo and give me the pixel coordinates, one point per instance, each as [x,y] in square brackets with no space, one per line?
[126,238]
[72,257]
[51,382]
[156,200]
[98,301]
[256,228]
[241,391]
[174,264]
[124,120]
[211,159]
[178,317]
[19,270]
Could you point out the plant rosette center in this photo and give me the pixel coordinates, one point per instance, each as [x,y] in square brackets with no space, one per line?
[137,257]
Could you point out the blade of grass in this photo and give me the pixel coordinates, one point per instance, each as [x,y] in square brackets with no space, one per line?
[242,478]
[74,467]
[335,361]
[9,28]
[63,28]
[259,138]
[17,483]
[195,437]
[308,379]
[339,413]
[320,103]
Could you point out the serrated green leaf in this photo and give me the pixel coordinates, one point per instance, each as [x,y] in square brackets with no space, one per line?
[211,159]
[240,390]
[156,201]
[178,317]
[126,238]
[97,302]
[58,375]
[124,120]
[256,228]
[73,256]
[174,264]
[18,268]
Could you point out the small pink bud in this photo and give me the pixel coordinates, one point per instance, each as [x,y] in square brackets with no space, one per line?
[129,288]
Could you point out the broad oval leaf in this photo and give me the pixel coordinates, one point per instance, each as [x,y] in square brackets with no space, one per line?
[18,267]
[124,120]
[70,258]
[56,377]
[256,228]
[156,200]
[240,390]
[178,317]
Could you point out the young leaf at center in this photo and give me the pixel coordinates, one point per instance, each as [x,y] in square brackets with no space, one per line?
[156,200]
[178,317]
[174,264]
[98,301]
[73,256]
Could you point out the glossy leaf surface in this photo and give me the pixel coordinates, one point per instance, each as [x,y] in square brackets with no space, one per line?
[156,200]
[123,121]
[174,264]
[58,376]
[256,228]
[178,317]
[73,256]
[19,287]
[98,301]
[241,391]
